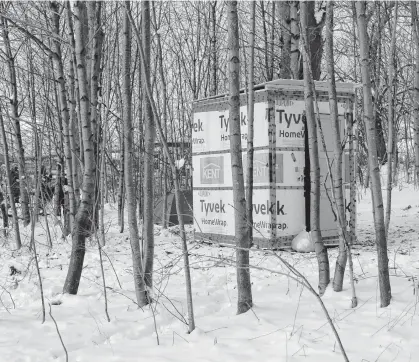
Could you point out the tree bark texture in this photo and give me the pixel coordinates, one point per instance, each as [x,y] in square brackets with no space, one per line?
[392,134]
[9,182]
[148,91]
[295,40]
[137,265]
[244,302]
[284,11]
[83,219]
[377,198]
[336,176]
[321,251]
[250,124]
[65,112]
[24,197]
[415,23]
[149,139]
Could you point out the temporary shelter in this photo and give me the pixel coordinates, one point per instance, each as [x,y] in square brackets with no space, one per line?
[281,189]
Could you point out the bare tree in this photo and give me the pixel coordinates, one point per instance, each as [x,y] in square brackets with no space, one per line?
[24,197]
[336,176]
[336,172]
[244,302]
[284,10]
[295,40]
[376,193]
[65,114]
[191,319]
[140,290]
[391,124]
[83,219]
[415,24]
[311,126]
[9,181]
[149,139]
[250,124]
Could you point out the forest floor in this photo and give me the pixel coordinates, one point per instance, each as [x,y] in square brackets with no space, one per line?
[286,323]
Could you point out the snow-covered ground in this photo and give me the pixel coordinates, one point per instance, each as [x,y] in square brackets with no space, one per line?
[286,323]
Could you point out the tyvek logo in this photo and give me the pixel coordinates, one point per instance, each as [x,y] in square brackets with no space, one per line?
[212,170]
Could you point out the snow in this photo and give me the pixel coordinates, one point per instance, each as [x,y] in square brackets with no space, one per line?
[286,323]
[302,242]
[180,163]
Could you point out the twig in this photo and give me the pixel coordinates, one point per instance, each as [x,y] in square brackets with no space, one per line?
[116,275]
[103,278]
[10,295]
[179,336]
[58,332]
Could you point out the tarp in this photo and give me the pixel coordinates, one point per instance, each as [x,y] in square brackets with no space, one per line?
[186,203]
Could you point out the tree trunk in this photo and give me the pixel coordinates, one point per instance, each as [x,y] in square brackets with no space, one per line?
[250,125]
[149,139]
[191,320]
[137,265]
[213,35]
[164,107]
[9,182]
[73,126]
[336,176]
[64,109]
[83,219]
[391,131]
[295,40]
[244,302]
[314,31]
[284,10]
[378,208]
[24,197]
[315,231]
[415,22]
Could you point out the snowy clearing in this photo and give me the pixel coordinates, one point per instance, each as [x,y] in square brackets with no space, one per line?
[286,324]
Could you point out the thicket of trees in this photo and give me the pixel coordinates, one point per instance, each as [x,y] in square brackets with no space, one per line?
[101,93]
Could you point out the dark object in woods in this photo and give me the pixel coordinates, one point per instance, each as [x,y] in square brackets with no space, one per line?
[14,271]
[186,202]
[15,184]
[4,214]
[47,189]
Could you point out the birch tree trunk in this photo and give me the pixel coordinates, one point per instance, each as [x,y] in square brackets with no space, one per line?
[336,175]
[244,302]
[213,35]
[191,319]
[284,10]
[295,40]
[63,107]
[391,130]
[250,125]
[149,139]
[376,193]
[415,23]
[140,290]
[73,126]
[9,182]
[24,197]
[164,174]
[321,251]
[83,219]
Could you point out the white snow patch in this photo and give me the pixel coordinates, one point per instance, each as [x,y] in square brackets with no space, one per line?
[303,242]
[180,163]
[285,324]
